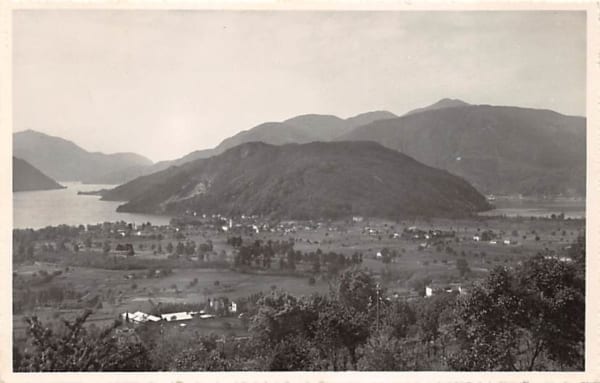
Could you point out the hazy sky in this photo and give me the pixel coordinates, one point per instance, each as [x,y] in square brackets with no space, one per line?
[164,83]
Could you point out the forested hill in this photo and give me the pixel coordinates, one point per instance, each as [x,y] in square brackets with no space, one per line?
[300,181]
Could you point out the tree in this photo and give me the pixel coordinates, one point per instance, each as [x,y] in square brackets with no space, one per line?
[485,326]
[293,354]
[291,262]
[430,315]
[281,315]
[180,249]
[382,352]
[532,318]
[30,251]
[340,328]
[397,318]
[201,357]
[463,266]
[357,289]
[577,253]
[78,349]
[316,265]
[554,293]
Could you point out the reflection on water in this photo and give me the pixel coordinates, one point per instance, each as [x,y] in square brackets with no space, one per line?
[528,207]
[37,209]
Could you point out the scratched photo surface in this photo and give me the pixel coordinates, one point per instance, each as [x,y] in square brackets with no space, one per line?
[326,190]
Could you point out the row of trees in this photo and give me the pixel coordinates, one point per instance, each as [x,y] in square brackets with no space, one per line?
[259,254]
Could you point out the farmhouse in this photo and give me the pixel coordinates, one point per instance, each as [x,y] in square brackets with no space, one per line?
[139,317]
[173,317]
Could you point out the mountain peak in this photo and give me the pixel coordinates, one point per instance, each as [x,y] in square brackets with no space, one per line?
[31,132]
[441,104]
[369,117]
[451,102]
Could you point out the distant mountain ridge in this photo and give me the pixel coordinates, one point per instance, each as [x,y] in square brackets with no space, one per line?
[300,129]
[500,150]
[65,161]
[28,178]
[301,181]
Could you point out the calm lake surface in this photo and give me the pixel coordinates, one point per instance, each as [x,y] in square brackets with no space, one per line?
[527,207]
[37,209]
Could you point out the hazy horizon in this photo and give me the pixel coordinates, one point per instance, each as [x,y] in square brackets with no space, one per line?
[165,83]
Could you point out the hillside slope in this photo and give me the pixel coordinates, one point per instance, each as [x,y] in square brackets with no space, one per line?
[28,178]
[299,181]
[499,150]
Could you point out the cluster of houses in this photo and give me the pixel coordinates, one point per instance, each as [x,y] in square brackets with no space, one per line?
[216,305]
[241,225]
[415,233]
[560,258]
[123,229]
[506,242]
[141,317]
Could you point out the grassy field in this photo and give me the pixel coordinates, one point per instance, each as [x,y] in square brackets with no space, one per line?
[131,290]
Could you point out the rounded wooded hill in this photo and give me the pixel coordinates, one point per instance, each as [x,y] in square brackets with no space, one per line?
[304,181]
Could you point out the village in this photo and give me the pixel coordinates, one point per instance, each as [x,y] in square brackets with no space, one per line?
[199,271]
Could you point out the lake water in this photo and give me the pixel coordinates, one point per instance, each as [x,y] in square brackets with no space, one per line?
[37,209]
[527,207]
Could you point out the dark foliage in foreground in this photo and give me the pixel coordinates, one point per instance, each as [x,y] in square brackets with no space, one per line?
[77,349]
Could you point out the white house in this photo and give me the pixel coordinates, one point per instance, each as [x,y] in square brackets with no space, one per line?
[170,317]
[139,317]
[428,291]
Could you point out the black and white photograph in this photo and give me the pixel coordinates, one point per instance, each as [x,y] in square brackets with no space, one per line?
[292,189]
